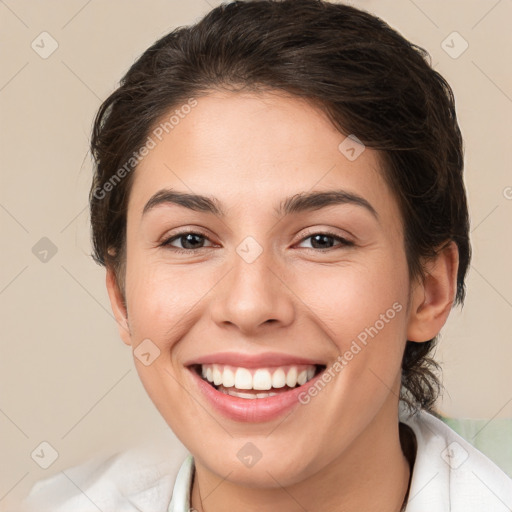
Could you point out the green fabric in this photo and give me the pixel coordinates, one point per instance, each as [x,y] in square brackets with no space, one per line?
[492,437]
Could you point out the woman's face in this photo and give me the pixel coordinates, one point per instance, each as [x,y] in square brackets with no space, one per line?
[261,292]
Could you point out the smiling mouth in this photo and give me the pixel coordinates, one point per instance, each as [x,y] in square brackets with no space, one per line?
[253,383]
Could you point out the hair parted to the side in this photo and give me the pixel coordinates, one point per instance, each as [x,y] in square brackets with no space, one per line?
[366,77]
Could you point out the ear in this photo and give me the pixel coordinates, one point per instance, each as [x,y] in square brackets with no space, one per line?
[433,297]
[118,307]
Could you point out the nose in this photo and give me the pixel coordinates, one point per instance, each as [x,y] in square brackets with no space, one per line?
[253,296]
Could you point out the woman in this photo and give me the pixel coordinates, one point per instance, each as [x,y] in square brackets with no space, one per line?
[279,205]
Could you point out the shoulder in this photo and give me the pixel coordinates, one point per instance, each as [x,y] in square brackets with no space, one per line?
[450,473]
[135,480]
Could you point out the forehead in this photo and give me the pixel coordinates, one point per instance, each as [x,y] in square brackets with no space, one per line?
[250,150]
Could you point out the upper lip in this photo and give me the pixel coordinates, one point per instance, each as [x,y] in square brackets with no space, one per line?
[265,359]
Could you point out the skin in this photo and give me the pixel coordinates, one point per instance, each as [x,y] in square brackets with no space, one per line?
[341,451]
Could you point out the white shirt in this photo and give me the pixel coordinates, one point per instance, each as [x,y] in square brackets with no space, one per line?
[449,475]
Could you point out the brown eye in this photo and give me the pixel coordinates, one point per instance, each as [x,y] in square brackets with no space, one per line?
[324,240]
[188,240]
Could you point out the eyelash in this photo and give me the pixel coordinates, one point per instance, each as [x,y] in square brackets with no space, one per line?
[167,243]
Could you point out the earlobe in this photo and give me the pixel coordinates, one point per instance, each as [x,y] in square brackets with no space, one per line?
[118,306]
[433,297]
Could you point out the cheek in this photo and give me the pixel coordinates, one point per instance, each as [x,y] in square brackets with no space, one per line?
[362,309]
[353,296]
[163,299]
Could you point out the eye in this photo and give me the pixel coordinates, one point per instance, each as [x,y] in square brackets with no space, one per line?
[190,240]
[322,240]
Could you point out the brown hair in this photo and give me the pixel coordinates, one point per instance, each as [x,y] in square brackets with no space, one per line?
[366,77]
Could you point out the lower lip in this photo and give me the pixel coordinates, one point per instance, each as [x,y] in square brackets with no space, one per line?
[255,410]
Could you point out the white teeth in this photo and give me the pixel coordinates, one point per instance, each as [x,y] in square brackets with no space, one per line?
[264,395]
[261,379]
[250,396]
[291,377]
[217,375]
[232,392]
[228,378]
[243,379]
[279,379]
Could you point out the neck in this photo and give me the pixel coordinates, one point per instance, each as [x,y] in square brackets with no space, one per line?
[372,474]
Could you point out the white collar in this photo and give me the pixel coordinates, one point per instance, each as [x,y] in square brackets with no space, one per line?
[180,501]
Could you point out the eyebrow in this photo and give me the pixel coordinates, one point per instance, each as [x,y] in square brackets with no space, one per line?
[301,202]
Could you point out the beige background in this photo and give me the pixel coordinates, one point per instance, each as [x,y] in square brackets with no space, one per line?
[65,376]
